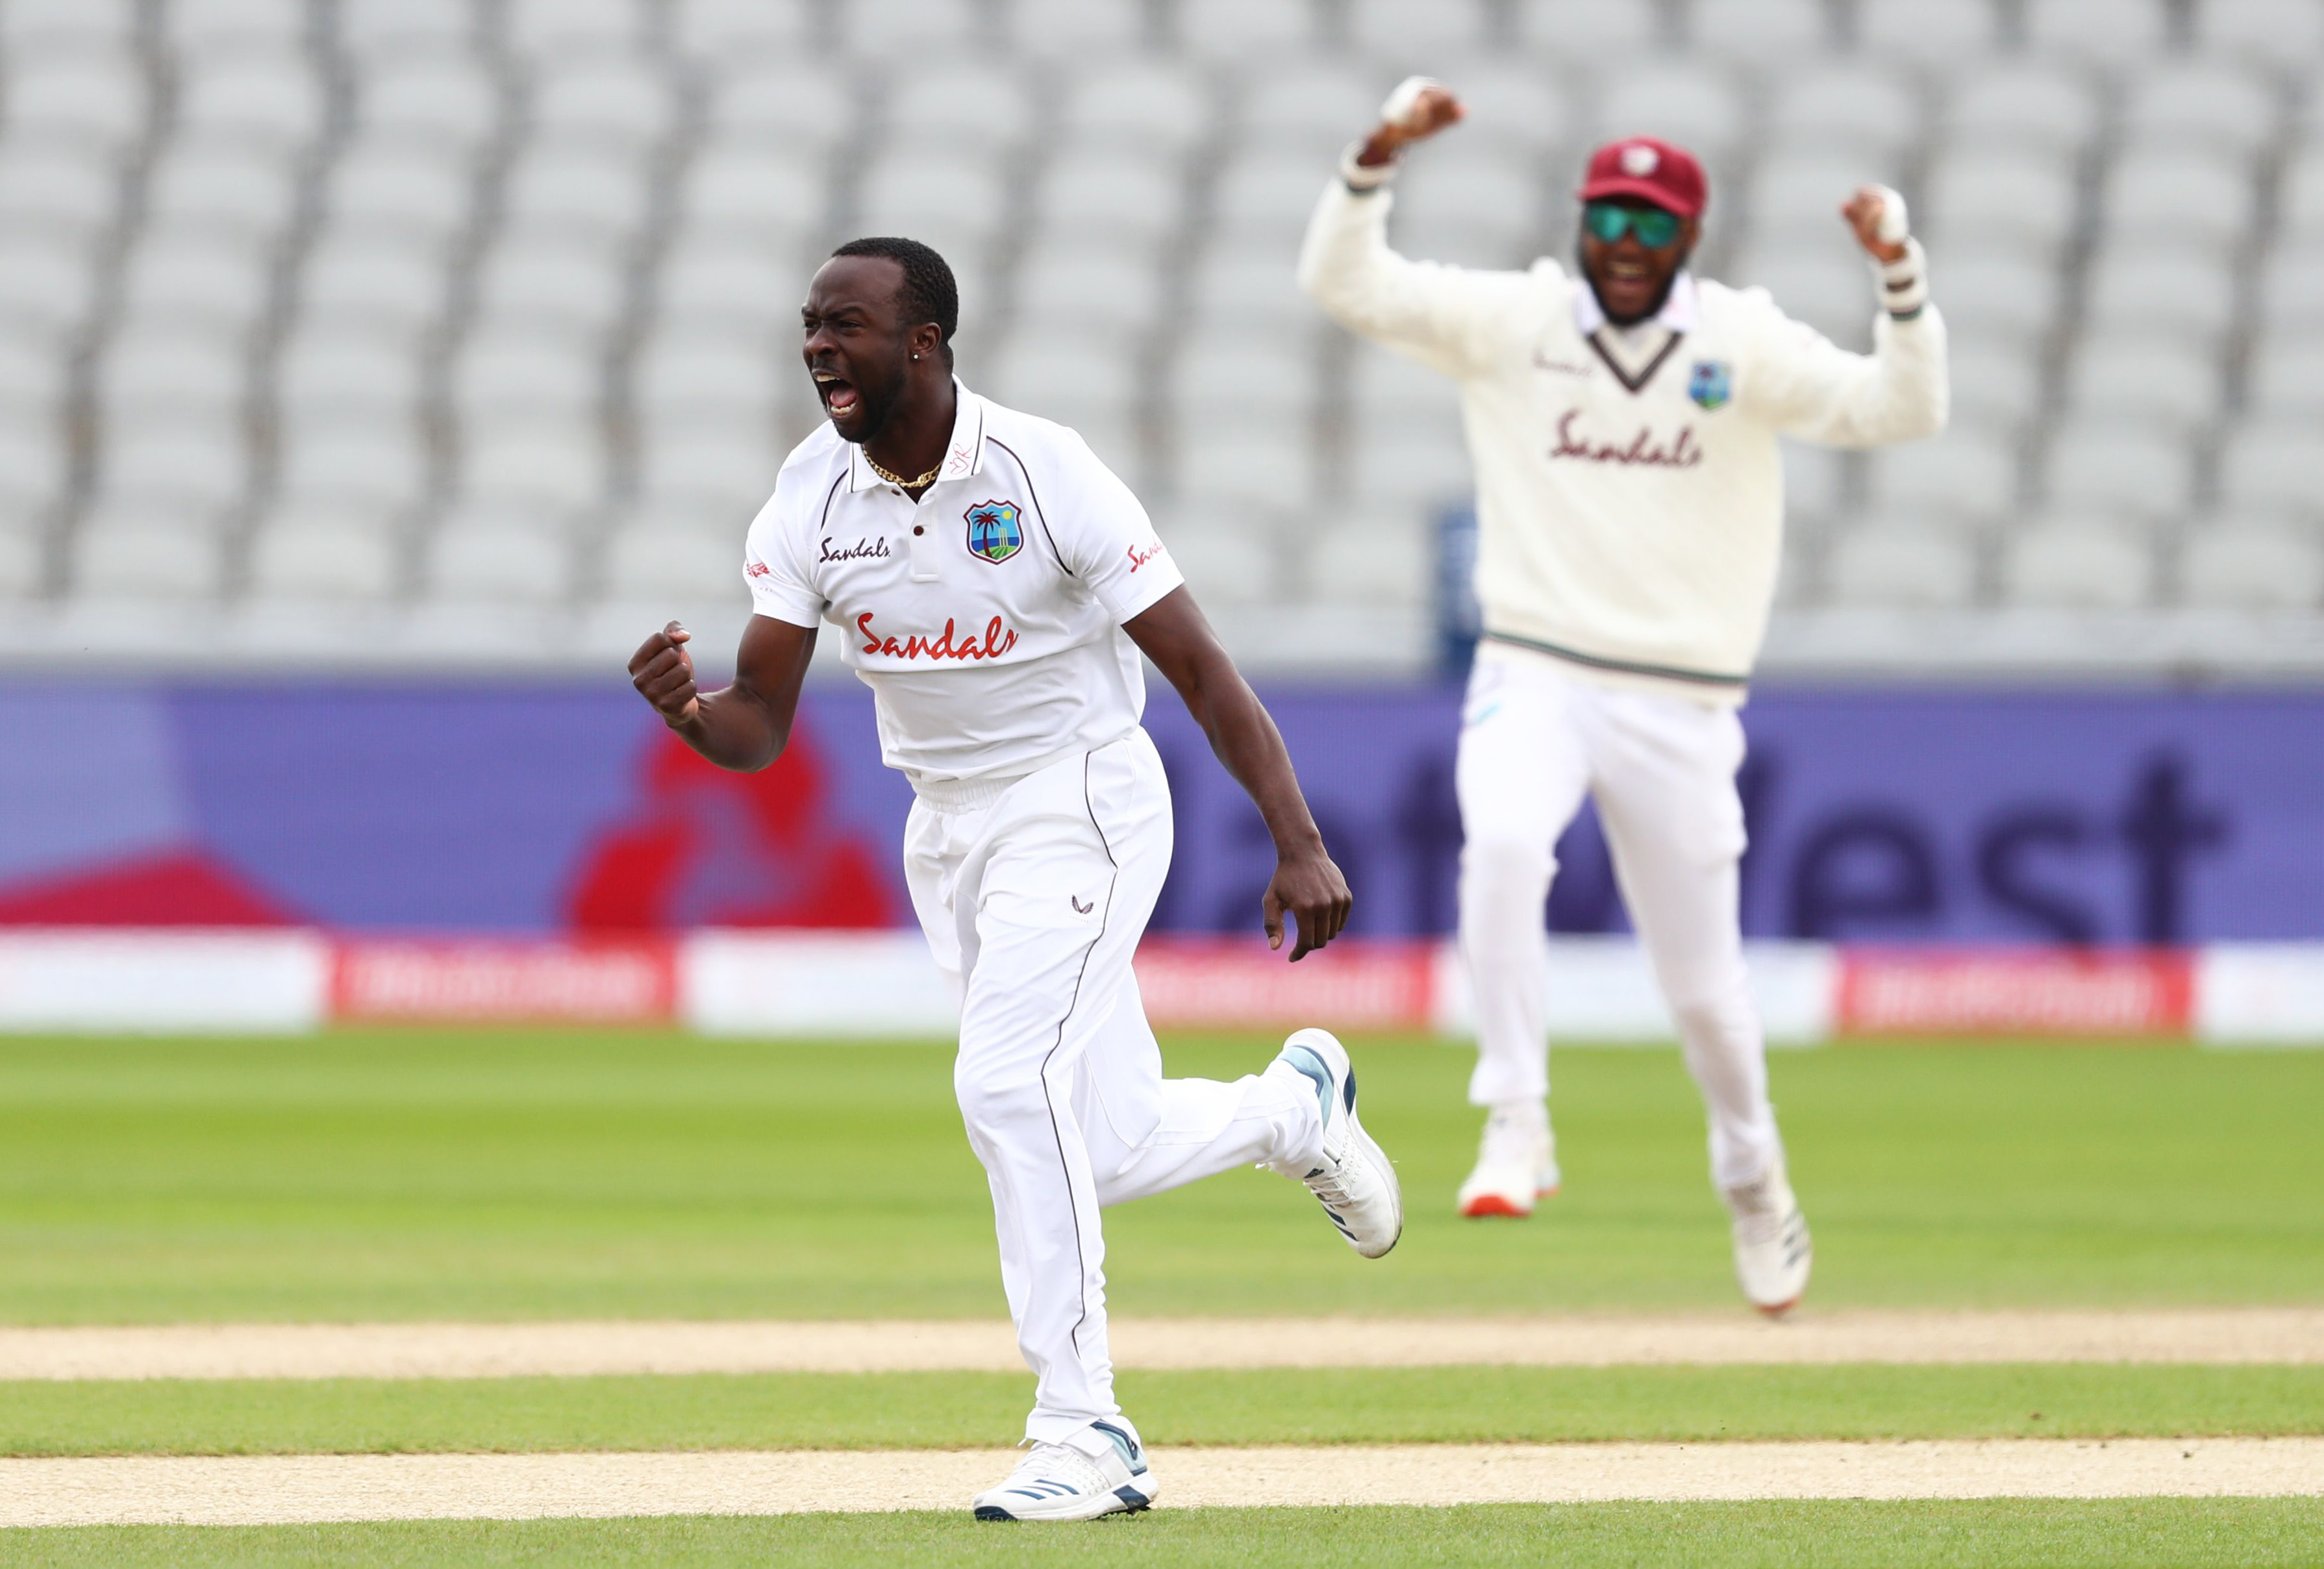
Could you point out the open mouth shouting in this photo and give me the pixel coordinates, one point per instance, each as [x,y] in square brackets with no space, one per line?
[841,398]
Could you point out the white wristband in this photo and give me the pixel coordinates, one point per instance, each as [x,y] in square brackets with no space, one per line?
[1362,177]
[1904,281]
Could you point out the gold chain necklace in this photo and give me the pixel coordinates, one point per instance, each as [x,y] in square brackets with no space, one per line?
[927,479]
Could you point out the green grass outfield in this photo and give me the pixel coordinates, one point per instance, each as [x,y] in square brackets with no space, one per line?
[1462,1404]
[2067,1534]
[428,1174]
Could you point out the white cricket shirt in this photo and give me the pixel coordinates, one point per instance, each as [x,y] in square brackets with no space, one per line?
[986,618]
[1629,487]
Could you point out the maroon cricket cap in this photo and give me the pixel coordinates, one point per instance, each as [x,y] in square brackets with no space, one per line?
[1651,169]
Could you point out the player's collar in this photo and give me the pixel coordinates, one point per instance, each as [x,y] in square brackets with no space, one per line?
[963,457]
[1680,311]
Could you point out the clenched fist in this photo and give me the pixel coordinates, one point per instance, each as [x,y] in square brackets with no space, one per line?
[1416,111]
[663,673]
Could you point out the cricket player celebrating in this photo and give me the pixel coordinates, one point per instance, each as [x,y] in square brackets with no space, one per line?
[992,583]
[1623,424]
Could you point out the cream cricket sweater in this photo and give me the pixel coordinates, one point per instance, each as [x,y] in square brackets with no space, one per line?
[1630,502]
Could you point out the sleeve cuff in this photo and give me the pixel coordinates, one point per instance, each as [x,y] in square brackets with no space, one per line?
[1363,178]
[1904,282]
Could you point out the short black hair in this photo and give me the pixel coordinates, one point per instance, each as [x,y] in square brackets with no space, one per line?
[930,292]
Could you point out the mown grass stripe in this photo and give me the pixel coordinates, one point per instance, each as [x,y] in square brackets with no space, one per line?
[1342,1406]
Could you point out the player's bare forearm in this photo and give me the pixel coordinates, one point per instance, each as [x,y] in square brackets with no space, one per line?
[746,725]
[1175,635]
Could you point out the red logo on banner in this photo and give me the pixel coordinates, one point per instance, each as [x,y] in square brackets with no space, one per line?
[1237,983]
[453,982]
[2028,992]
[707,847]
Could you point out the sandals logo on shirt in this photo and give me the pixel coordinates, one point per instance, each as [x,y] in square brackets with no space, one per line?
[1709,385]
[995,531]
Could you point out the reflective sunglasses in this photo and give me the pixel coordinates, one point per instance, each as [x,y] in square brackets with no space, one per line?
[1609,222]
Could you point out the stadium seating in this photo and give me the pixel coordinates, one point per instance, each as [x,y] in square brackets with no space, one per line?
[446,309]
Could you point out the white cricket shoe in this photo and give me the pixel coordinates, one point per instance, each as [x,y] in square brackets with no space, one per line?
[1352,1177]
[1517,1164]
[1056,1482]
[1773,1252]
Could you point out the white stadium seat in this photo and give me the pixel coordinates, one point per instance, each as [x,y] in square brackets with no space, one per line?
[1795,197]
[2287,379]
[1225,562]
[960,197]
[1224,376]
[95,95]
[272,98]
[2201,103]
[713,465]
[1069,375]
[2185,195]
[358,279]
[173,366]
[1515,105]
[1691,104]
[1312,102]
[325,564]
[1898,568]
[47,285]
[1387,392]
[2005,196]
[1814,478]
[1237,30]
[2101,464]
[720,31]
[383,184]
[1761,31]
[194,458]
[2290,297]
[1065,284]
[949,104]
[1372,560]
[21,563]
[1264,194]
[2032,105]
[522,371]
[1075,30]
[599,101]
[2299,206]
[1414,468]
[650,560]
[390,27]
[444,98]
[489,559]
[2077,567]
[1996,380]
[879,30]
[1116,193]
[591,193]
[2272,465]
[1225,469]
[1147,103]
[51,190]
[781,106]
[546,28]
[141,554]
[197,26]
[32,465]
[546,281]
[1823,282]
[746,192]
[212,278]
[327,366]
[338,463]
[31,377]
[2251,566]
[1938,32]
[2147,291]
[229,188]
[2105,32]
[1969,472]
[34,24]
[2265,31]
[714,277]
[1588,31]
[1845,104]
[547,463]
[717,376]
[1480,211]
[1397,32]
[2170,381]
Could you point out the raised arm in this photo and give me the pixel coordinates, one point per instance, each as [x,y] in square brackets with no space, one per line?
[1900,392]
[1448,318]
[1177,637]
[744,727]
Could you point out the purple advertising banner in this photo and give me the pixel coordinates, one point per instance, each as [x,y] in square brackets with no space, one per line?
[1898,814]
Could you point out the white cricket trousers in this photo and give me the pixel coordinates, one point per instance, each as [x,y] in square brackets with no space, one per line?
[1033,903]
[1662,769]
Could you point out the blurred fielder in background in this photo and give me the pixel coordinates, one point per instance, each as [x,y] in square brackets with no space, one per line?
[1623,425]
